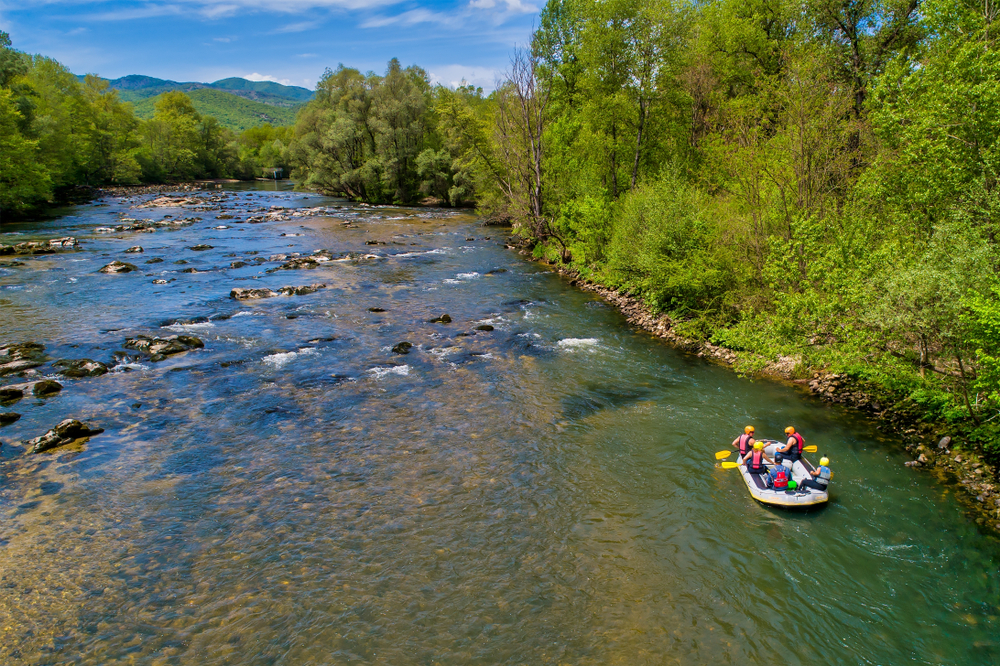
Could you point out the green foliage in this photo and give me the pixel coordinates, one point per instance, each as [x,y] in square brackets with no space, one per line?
[232,112]
[23,181]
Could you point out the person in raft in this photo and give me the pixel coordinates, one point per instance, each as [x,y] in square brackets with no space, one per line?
[778,477]
[792,450]
[744,443]
[820,477]
[754,459]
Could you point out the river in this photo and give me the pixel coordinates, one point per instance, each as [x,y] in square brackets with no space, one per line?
[541,493]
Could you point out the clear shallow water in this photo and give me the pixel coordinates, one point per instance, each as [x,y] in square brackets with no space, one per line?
[295,493]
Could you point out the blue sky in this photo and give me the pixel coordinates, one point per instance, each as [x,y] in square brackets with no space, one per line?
[289,41]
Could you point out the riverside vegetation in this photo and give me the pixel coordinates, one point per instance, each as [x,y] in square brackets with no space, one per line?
[806,182]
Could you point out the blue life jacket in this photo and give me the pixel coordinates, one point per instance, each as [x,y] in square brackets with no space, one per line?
[824,476]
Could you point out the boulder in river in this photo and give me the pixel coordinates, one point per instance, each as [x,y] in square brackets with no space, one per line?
[20,357]
[83,367]
[300,262]
[484,327]
[135,249]
[154,260]
[159,348]
[238,264]
[443,319]
[67,432]
[402,348]
[6,418]
[241,294]
[118,267]
[201,247]
[46,388]
[39,247]
[376,309]
[9,395]
[301,290]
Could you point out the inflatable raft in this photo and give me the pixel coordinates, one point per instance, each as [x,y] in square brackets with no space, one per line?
[800,497]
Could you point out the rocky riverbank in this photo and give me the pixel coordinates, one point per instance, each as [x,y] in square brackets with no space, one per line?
[934,450]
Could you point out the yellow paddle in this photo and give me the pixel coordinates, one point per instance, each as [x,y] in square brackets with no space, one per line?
[729,465]
[810,449]
[722,455]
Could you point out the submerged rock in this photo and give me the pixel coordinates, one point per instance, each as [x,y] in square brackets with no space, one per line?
[201,247]
[402,348]
[67,432]
[135,249]
[118,267]
[46,388]
[159,348]
[238,264]
[487,327]
[154,260]
[83,367]
[376,309]
[6,418]
[443,319]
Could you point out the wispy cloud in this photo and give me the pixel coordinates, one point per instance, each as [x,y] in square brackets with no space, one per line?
[301,26]
[412,17]
[456,75]
[514,6]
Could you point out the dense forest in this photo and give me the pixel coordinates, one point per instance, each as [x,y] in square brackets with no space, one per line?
[58,133]
[807,180]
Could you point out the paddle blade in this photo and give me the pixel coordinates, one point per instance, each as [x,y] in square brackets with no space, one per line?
[729,465]
[722,455]
[811,449]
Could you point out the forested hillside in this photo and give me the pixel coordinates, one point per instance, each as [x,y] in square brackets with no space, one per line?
[58,133]
[232,112]
[809,180]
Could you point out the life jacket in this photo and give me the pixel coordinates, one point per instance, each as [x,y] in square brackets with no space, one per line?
[824,475]
[757,459]
[799,442]
[780,477]
[745,444]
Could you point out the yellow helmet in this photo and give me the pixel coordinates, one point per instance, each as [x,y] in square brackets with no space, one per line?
[748,429]
[789,430]
[758,446]
[824,461]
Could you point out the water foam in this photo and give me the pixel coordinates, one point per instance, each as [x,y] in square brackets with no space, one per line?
[378,372]
[281,359]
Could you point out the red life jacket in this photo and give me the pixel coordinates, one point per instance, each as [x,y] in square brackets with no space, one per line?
[799,442]
[780,477]
[745,444]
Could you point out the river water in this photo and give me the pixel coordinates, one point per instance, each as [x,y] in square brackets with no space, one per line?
[545,492]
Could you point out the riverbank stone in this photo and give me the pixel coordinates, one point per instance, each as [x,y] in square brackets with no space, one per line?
[118,267]
[46,388]
[67,432]
[159,348]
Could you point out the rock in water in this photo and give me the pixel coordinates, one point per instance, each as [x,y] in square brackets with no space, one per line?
[402,348]
[135,249]
[250,294]
[46,388]
[83,367]
[6,418]
[17,358]
[302,290]
[159,348]
[238,264]
[443,319]
[376,309]
[154,260]
[300,262]
[118,267]
[484,327]
[201,247]
[10,395]
[66,432]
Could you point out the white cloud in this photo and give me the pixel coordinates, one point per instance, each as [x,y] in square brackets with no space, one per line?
[412,17]
[455,75]
[514,6]
[302,26]
[267,77]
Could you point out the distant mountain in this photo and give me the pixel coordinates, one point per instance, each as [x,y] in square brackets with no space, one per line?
[236,113]
[136,87]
